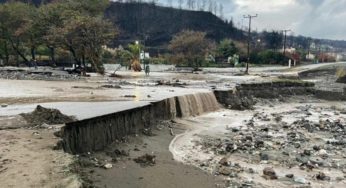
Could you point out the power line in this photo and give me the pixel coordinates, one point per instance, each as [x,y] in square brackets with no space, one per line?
[250,17]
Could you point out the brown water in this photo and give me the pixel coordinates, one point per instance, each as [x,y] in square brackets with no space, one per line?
[197,104]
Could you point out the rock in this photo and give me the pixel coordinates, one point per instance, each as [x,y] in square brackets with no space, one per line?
[269,173]
[146,160]
[224,162]
[322,152]
[302,159]
[148,132]
[86,162]
[290,176]
[307,152]
[317,161]
[4,105]
[130,96]
[235,129]
[316,148]
[322,176]
[344,170]
[264,156]
[300,180]
[231,147]
[251,171]
[225,171]
[111,86]
[108,166]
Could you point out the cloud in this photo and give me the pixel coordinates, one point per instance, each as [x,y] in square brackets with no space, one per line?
[315,18]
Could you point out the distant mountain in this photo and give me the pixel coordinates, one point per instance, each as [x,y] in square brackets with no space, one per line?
[157,25]
[36,2]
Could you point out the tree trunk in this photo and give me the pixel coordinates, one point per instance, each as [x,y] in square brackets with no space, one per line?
[52,55]
[7,55]
[33,53]
[16,49]
[73,52]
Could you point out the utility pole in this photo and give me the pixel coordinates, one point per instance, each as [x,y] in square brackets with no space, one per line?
[285,39]
[249,41]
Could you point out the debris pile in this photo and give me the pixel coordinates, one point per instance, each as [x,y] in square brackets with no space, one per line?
[36,75]
[48,116]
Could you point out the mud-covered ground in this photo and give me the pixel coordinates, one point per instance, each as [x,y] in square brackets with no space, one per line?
[27,159]
[143,161]
[192,159]
[296,143]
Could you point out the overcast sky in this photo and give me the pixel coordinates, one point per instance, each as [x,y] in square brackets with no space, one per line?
[315,18]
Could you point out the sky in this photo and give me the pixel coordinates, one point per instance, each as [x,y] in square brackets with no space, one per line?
[314,18]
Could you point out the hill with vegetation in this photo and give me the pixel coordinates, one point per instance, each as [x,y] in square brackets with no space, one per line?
[155,25]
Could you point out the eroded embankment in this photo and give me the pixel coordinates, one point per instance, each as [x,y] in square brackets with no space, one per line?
[242,96]
[95,134]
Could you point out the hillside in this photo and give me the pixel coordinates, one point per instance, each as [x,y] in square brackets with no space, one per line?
[156,25]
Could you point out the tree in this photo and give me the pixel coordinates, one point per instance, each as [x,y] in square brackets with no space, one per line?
[273,40]
[226,48]
[189,47]
[15,24]
[84,37]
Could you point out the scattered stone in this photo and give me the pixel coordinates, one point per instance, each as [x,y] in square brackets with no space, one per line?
[130,96]
[322,176]
[322,152]
[290,176]
[307,152]
[300,180]
[225,171]
[4,105]
[269,173]
[146,160]
[108,166]
[224,162]
[316,148]
[148,132]
[111,86]
[264,156]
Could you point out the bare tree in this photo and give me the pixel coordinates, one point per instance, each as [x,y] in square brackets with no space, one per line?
[170,3]
[198,4]
[193,4]
[221,10]
[180,3]
[215,8]
[203,4]
[210,8]
[189,4]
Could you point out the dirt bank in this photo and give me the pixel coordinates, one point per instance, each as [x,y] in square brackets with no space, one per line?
[125,172]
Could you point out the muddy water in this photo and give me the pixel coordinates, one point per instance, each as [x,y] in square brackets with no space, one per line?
[216,125]
[197,104]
